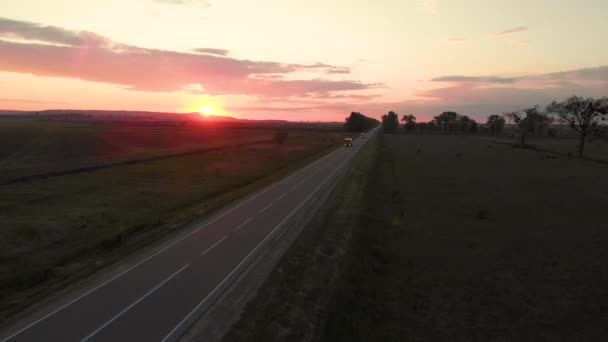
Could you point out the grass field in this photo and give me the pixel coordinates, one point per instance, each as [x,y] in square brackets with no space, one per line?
[565,146]
[458,240]
[29,147]
[60,228]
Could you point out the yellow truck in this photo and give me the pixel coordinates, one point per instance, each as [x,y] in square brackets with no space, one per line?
[348,142]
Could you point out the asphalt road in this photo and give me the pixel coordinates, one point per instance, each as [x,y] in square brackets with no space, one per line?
[160,295]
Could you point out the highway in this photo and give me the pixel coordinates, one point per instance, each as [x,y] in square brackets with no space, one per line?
[158,296]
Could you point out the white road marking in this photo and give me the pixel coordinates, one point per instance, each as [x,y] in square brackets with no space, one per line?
[134,303]
[169,335]
[243,224]
[280,197]
[266,208]
[293,188]
[215,244]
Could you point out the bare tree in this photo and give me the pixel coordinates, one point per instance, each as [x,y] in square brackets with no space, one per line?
[580,115]
[528,120]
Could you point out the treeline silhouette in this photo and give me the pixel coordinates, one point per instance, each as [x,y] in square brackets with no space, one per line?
[358,122]
[446,122]
[585,116]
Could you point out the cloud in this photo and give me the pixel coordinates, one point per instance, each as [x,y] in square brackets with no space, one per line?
[30,31]
[563,79]
[87,56]
[211,51]
[478,99]
[472,79]
[513,30]
[479,96]
[428,6]
[201,3]
[341,70]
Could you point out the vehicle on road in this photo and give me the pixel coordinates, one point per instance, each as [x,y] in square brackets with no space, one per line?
[362,135]
[348,142]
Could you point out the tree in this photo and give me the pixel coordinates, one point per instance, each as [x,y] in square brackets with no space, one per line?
[446,121]
[496,124]
[529,119]
[464,123]
[390,122]
[358,122]
[422,126]
[473,126]
[580,114]
[410,122]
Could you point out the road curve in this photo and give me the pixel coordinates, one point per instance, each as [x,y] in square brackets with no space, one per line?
[157,297]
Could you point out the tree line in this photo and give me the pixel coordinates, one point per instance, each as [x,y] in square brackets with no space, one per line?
[358,122]
[447,122]
[582,115]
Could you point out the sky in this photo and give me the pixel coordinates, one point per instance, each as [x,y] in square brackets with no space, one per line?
[314,60]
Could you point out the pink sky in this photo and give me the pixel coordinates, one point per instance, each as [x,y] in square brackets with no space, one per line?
[293,62]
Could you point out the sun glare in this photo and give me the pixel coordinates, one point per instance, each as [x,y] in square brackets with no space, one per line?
[207,110]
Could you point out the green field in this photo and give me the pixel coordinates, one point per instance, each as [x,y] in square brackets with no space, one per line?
[60,228]
[459,239]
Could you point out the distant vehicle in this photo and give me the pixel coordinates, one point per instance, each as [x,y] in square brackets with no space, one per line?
[348,142]
[362,135]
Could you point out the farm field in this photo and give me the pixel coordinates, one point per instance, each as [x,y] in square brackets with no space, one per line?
[565,146]
[30,147]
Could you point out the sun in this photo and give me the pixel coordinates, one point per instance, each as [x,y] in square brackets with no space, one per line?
[207,110]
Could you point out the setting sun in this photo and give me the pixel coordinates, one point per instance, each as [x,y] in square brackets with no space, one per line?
[207,110]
